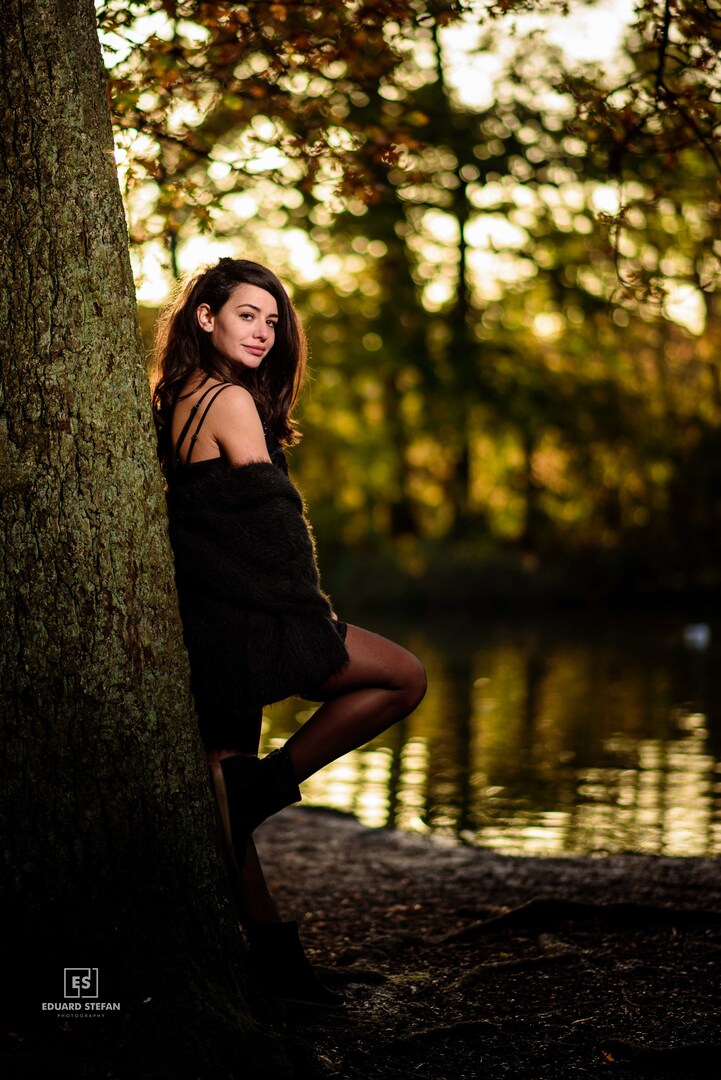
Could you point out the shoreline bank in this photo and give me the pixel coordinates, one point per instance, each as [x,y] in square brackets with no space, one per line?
[460,963]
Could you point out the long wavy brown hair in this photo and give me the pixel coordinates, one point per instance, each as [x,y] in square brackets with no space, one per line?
[182,348]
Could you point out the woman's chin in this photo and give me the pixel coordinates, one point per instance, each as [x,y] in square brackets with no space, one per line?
[246,363]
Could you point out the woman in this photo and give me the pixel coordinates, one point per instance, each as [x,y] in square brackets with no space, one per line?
[230,359]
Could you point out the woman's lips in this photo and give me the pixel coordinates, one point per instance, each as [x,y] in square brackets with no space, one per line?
[253,350]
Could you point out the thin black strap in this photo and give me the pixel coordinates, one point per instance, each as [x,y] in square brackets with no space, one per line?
[189,421]
[202,420]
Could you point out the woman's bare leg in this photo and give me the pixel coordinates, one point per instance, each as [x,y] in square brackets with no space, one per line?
[381,684]
[255,903]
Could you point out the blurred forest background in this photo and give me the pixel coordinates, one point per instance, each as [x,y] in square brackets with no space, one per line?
[501,226]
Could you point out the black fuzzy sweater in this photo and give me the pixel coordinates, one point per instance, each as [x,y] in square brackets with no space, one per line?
[257,626]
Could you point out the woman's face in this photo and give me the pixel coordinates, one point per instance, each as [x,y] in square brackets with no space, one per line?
[243,330]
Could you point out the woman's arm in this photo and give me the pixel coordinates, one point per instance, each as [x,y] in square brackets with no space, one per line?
[237,428]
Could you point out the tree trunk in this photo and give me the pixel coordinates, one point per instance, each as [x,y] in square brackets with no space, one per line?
[111,857]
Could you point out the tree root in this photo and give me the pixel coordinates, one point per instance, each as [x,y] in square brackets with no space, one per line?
[467,1030]
[542,913]
[510,967]
[685,1062]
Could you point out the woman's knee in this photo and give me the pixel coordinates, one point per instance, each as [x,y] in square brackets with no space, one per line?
[402,670]
[416,680]
[377,662]
[409,677]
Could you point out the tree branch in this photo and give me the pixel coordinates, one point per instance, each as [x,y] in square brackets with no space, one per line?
[664,45]
[701,135]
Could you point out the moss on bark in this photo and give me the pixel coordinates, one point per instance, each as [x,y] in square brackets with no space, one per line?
[108,839]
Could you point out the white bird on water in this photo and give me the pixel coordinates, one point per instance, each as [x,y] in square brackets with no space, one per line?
[697,636]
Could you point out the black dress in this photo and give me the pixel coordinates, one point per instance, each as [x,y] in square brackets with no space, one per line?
[257,626]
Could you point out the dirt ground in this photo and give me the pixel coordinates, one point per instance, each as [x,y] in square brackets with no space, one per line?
[459,964]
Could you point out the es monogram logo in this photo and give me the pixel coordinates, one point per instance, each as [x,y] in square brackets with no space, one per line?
[81,982]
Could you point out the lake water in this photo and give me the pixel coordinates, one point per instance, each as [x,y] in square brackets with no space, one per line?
[554,737]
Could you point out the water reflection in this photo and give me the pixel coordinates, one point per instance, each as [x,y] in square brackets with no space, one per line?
[554,739]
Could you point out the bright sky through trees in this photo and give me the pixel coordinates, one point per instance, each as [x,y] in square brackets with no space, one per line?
[590,33]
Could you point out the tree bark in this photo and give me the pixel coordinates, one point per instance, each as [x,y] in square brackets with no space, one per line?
[109,841]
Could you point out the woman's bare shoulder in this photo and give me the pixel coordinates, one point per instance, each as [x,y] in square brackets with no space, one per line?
[237,427]
[235,404]
[230,398]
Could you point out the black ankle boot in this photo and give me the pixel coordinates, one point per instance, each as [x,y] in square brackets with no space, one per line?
[282,970]
[249,790]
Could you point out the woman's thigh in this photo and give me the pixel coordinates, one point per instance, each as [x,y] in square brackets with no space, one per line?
[374,661]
